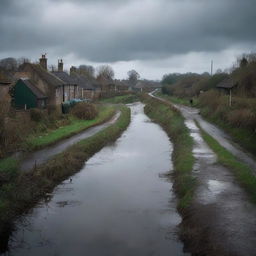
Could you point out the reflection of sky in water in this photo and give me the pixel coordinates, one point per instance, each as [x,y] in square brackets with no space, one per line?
[118,204]
[214,188]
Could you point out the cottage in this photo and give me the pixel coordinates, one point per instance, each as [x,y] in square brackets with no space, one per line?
[48,84]
[146,86]
[121,86]
[71,89]
[106,84]
[85,85]
[27,95]
[88,87]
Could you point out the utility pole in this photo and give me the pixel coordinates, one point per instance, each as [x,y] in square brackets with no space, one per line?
[230,94]
[230,97]
[211,67]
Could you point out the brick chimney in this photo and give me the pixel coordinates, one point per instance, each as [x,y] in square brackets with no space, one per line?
[73,70]
[60,65]
[43,61]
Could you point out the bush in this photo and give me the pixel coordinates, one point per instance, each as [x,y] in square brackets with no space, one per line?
[36,115]
[86,111]
[242,118]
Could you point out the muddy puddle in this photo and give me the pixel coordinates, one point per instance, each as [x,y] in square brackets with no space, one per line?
[120,203]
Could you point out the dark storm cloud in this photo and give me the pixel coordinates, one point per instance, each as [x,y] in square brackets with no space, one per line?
[115,30]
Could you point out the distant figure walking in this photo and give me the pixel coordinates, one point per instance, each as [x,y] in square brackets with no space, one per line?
[191,102]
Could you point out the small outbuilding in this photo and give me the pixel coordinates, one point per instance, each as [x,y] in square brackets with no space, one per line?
[227,86]
[27,95]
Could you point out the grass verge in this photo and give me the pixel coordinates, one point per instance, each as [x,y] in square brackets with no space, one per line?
[176,100]
[242,136]
[8,169]
[36,142]
[173,123]
[125,99]
[242,171]
[27,188]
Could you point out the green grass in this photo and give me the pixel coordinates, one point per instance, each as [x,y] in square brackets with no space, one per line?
[8,169]
[242,171]
[125,99]
[245,137]
[173,123]
[176,100]
[76,126]
[29,187]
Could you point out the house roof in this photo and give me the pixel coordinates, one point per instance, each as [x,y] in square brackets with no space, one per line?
[21,75]
[120,83]
[105,81]
[147,84]
[226,84]
[65,77]
[34,89]
[48,77]
[140,84]
[4,80]
[84,82]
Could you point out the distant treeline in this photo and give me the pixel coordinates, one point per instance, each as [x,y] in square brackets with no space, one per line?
[243,74]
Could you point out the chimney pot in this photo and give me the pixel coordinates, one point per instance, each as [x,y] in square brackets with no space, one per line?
[60,65]
[43,61]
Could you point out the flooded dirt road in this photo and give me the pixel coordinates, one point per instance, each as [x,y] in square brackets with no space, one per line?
[120,203]
[191,113]
[224,139]
[222,219]
[43,155]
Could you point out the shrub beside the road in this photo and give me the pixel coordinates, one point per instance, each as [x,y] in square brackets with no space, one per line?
[8,170]
[173,123]
[27,188]
[124,99]
[85,111]
[50,137]
[239,120]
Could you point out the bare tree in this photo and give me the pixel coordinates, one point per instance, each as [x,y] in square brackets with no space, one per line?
[87,71]
[23,60]
[9,64]
[133,77]
[105,72]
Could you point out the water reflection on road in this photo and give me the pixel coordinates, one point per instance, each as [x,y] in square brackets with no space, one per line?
[120,203]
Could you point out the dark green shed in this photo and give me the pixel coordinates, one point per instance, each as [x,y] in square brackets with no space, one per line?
[27,96]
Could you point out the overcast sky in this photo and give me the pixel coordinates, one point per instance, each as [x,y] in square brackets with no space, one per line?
[154,37]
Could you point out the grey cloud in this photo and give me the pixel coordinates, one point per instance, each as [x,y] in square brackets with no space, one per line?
[117,31]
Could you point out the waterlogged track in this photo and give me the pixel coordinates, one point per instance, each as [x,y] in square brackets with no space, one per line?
[193,114]
[120,203]
[222,219]
[43,155]
[219,135]
[223,209]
